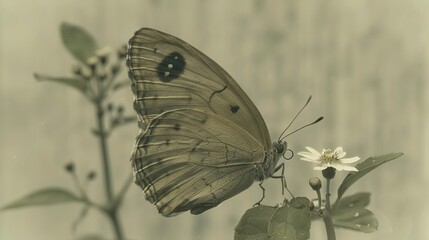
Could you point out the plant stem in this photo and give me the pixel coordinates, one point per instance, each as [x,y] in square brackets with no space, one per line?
[112,208]
[328,195]
[319,198]
[123,190]
[329,225]
[104,152]
[116,224]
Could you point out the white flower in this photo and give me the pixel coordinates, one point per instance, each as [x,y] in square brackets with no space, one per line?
[92,61]
[329,158]
[103,52]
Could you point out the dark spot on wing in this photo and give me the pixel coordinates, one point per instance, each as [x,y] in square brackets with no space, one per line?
[177,127]
[171,67]
[167,142]
[234,108]
[155,50]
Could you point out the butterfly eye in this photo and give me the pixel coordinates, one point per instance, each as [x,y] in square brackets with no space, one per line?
[280,147]
[171,67]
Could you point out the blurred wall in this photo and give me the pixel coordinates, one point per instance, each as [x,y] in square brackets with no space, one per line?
[364,62]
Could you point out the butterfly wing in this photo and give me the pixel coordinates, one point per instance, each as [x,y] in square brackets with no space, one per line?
[201,137]
[188,159]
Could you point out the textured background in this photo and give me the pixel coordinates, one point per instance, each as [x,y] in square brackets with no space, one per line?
[364,62]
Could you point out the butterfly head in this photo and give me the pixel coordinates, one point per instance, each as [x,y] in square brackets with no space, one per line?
[279,148]
[271,160]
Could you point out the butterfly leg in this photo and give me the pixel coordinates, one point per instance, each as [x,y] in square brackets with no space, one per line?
[263,194]
[282,178]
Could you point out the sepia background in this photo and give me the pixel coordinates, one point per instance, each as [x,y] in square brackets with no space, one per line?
[364,62]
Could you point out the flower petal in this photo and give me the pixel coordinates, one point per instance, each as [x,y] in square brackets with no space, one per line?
[341,155]
[313,151]
[350,168]
[349,160]
[308,155]
[337,166]
[321,166]
[339,152]
[310,160]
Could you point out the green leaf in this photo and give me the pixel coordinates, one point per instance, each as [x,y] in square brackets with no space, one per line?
[359,219]
[48,196]
[364,168]
[294,218]
[121,84]
[78,41]
[291,221]
[91,237]
[350,213]
[282,231]
[75,83]
[357,200]
[254,223]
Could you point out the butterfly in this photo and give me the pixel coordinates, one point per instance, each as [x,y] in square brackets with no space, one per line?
[201,139]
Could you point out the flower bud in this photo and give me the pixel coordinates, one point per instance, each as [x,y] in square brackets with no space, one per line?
[69,167]
[77,69]
[110,107]
[86,73]
[91,175]
[103,55]
[102,74]
[92,63]
[315,183]
[122,51]
[120,110]
[115,69]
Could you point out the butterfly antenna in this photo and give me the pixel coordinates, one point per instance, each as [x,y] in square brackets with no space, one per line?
[317,120]
[305,105]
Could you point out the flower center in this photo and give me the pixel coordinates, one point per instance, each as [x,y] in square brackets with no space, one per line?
[328,156]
